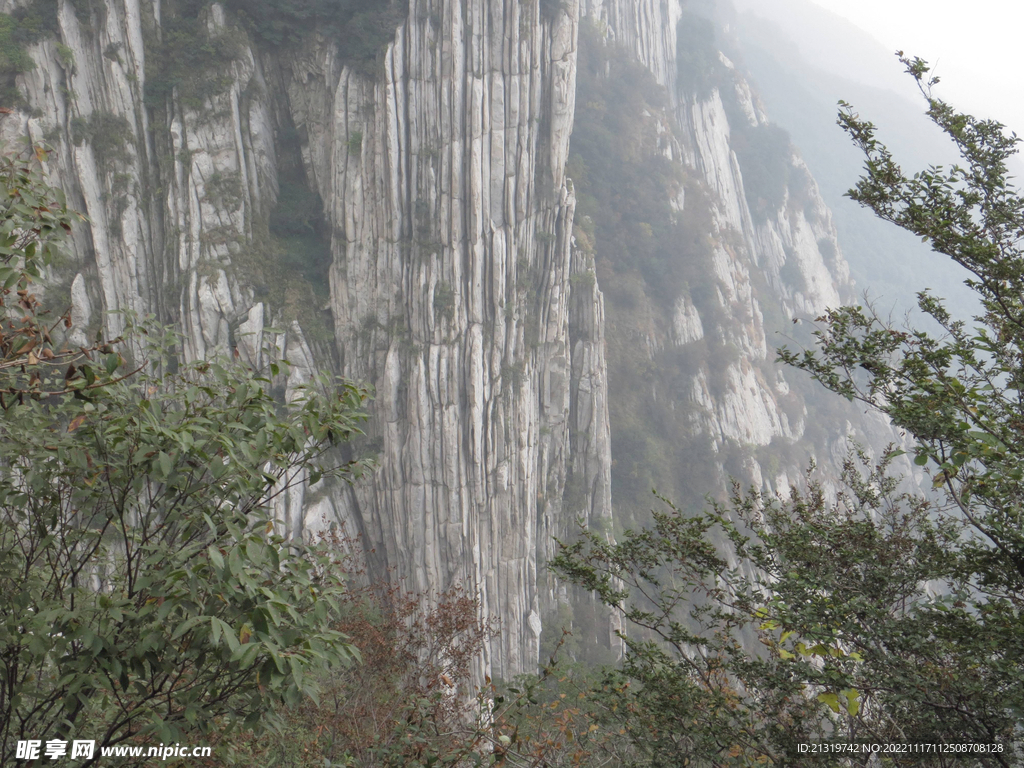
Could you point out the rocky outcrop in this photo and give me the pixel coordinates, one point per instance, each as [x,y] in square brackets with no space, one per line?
[450,293]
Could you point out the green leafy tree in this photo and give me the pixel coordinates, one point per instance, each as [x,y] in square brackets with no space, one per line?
[879,615]
[146,588]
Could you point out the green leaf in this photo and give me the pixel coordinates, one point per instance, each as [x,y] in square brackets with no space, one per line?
[852,696]
[166,464]
[215,629]
[215,556]
[830,700]
[246,654]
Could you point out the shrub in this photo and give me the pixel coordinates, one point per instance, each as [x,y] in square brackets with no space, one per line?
[299,210]
[187,58]
[107,133]
[355,142]
[66,57]
[13,61]
[22,27]
[549,9]
[146,587]
[225,190]
[409,699]
[765,158]
[113,52]
[110,135]
[444,301]
[88,11]
[697,55]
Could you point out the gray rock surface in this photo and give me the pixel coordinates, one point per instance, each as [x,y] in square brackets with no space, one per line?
[450,293]
[746,405]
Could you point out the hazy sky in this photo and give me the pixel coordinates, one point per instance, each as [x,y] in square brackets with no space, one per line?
[973,46]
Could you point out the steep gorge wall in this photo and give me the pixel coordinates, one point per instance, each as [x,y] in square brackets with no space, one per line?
[448,220]
[450,292]
[746,245]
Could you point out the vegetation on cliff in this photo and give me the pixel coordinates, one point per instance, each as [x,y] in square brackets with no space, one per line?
[651,227]
[361,28]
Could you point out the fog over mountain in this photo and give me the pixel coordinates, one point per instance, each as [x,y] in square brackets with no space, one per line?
[974,50]
[804,60]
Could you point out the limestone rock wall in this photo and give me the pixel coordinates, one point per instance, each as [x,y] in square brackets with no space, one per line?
[451,294]
[450,224]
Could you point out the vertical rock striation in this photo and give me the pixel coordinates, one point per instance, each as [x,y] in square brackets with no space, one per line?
[450,226]
[450,292]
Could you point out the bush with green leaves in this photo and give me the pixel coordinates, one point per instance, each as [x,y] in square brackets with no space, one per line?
[25,25]
[187,59]
[700,68]
[817,623]
[146,587]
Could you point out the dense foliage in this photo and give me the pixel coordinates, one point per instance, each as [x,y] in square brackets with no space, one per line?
[186,59]
[146,586]
[411,701]
[698,58]
[189,59]
[882,616]
[852,643]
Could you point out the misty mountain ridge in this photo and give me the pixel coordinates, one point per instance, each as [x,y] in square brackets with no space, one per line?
[804,60]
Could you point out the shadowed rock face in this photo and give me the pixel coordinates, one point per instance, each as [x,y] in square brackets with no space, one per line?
[786,257]
[453,286]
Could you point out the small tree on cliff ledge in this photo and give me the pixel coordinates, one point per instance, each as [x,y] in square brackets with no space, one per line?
[883,617]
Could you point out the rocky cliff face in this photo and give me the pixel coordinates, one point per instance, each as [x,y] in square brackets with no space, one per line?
[450,292]
[448,219]
[770,254]
[443,268]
